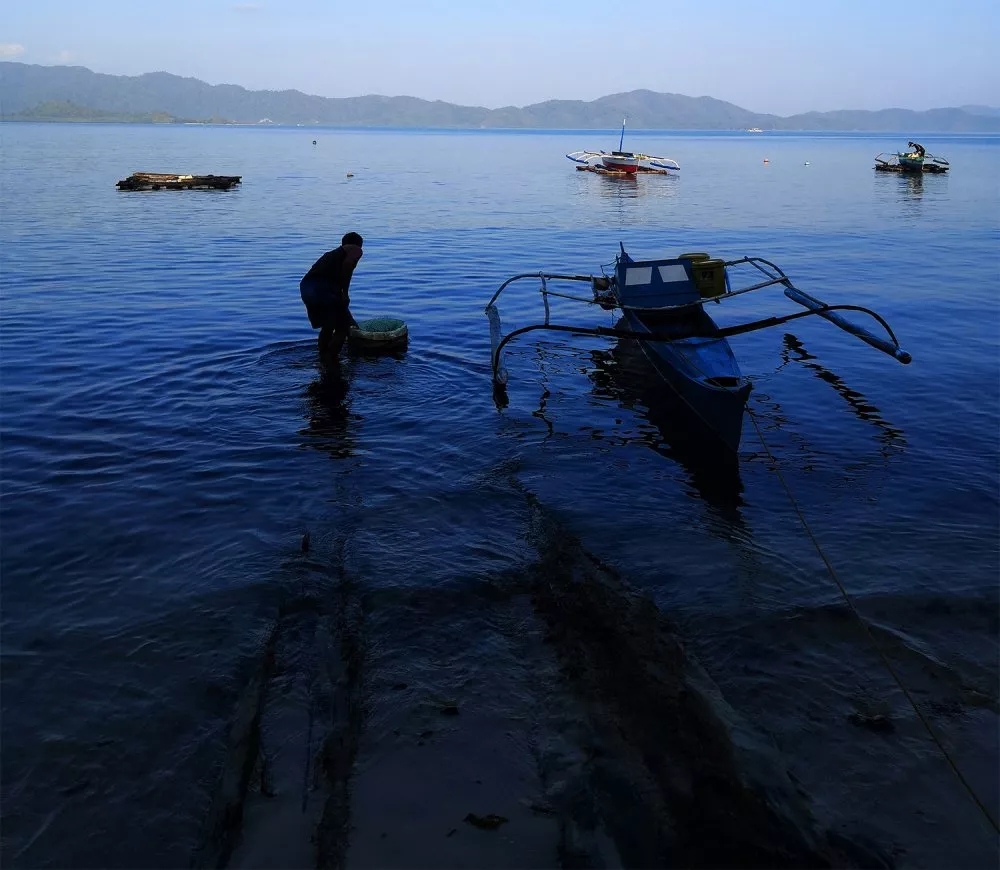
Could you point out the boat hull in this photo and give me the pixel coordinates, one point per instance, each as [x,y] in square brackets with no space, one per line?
[620,162]
[688,366]
[609,161]
[911,164]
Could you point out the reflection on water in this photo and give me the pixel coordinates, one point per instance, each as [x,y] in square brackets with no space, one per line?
[619,186]
[332,425]
[623,374]
[891,438]
[912,184]
[329,420]
[541,411]
[905,188]
[627,186]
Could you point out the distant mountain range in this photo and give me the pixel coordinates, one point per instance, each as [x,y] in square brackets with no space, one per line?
[65,93]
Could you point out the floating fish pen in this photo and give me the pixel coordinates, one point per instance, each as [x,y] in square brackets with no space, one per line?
[603,170]
[929,163]
[165,181]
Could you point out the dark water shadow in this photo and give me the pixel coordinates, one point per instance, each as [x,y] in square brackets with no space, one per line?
[891,439]
[622,374]
[330,425]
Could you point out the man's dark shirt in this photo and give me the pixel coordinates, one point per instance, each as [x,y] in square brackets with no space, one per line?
[329,274]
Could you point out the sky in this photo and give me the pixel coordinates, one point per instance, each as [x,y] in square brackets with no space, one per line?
[774,56]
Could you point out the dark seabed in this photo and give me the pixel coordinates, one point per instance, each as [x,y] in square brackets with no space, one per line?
[555,612]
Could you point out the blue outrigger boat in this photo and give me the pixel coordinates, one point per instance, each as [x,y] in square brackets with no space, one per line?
[663,308]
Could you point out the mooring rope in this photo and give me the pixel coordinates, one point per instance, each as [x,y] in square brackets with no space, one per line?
[871,638]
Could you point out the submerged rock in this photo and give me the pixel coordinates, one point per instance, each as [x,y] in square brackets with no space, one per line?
[873,722]
[487,823]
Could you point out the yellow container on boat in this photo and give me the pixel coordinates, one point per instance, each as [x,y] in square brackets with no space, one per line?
[694,257]
[709,277]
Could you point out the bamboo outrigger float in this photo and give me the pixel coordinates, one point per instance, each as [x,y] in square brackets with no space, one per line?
[167,181]
[663,307]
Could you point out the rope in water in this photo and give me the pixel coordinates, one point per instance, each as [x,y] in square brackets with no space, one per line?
[871,638]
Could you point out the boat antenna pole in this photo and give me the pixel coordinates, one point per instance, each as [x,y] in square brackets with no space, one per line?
[621,141]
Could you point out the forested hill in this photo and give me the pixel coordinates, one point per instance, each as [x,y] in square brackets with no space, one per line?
[31,92]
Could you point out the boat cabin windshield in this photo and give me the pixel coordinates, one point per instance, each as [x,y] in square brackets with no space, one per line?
[655,283]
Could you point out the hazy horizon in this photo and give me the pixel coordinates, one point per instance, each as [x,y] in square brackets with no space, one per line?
[769,57]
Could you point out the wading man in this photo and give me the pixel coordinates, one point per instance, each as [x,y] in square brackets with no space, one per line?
[325,293]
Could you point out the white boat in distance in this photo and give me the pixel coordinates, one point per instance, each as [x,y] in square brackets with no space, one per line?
[625,162]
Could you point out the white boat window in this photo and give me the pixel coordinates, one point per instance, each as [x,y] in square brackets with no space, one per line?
[638,275]
[673,274]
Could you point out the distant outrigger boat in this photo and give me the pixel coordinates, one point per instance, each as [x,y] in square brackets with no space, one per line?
[622,162]
[915,160]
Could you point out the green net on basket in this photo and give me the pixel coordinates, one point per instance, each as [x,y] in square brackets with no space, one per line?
[381,324]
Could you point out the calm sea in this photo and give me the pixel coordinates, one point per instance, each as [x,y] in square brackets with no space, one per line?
[168,437]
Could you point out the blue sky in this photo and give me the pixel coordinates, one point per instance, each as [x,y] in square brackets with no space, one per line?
[763,55]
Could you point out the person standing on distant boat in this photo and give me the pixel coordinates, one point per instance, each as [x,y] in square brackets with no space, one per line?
[325,293]
[918,149]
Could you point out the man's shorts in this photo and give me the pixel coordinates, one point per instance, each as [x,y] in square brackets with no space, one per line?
[323,310]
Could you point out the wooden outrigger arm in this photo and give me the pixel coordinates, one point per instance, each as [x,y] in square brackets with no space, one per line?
[497,341]
[819,307]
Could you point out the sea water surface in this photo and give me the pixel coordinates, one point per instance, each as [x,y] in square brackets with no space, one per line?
[168,437]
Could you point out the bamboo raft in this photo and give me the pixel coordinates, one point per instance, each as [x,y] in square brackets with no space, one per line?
[601,170]
[166,181]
